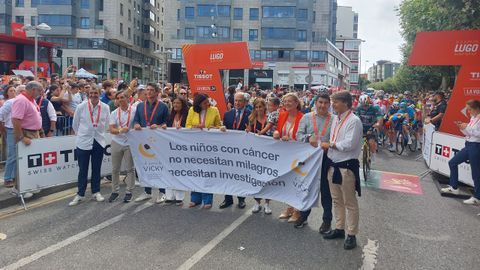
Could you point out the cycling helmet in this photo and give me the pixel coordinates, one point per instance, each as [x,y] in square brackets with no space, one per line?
[403,105]
[380,93]
[395,104]
[364,100]
[406,93]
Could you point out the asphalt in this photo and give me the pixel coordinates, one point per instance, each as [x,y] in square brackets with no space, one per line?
[410,232]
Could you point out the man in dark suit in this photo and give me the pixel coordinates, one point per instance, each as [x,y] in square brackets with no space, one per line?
[236,119]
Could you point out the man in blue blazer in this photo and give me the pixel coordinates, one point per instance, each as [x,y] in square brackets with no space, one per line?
[236,119]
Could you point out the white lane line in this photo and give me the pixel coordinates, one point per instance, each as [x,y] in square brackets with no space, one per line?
[370,255]
[213,243]
[49,250]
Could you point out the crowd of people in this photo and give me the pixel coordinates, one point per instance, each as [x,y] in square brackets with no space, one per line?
[336,122]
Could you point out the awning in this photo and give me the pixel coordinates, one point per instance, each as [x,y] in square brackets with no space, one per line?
[24,73]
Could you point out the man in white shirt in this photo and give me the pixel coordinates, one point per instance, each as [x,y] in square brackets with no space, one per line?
[343,175]
[121,120]
[90,123]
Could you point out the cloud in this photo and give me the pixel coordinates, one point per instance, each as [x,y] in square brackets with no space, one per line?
[379,27]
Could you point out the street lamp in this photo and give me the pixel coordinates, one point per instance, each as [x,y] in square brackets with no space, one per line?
[165,55]
[42,26]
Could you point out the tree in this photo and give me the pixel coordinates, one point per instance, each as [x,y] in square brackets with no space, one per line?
[362,83]
[432,15]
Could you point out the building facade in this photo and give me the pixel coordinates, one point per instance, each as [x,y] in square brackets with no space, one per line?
[348,42]
[283,37]
[110,38]
[382,70]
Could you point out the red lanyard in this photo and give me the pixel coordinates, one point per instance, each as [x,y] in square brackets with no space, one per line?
[471,124]
[263,125]
[202,120]
[95,124]
[40,102]
[338,127]
[128,119]
[178,123]
[325,126]
[153,112]
[33,101]
[235,125]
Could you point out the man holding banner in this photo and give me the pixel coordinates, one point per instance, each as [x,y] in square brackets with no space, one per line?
[236,119]
[343,175]
[90,123]
[153,114]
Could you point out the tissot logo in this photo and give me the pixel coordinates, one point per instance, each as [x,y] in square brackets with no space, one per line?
[52,158]
[216,56]
[203,75]
[475,76]
[467,47]
[445,151]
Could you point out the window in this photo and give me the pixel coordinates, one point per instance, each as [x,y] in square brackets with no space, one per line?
[203,31]
[314,16]
[100,5]
[57,20]
[206,10]
[189,12]
[278,33]
[237,34]
[300,55]
[189,33]
[278,12]
[84,22]
[152,16]
[178,14]
[129,33]
[19,19]
[223,11]
[254,14]
[223,32]
[302,35]
[318,56]
[33,20]
[238,13]
[121,29]
[85,4]
[302,14]
[35,3]
[178,34]
[129,15]
[253,34]
[121,9]
[19,3]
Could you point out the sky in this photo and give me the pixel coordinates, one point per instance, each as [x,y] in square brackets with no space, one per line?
[379,27]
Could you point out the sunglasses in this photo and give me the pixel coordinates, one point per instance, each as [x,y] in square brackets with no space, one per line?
[183,94]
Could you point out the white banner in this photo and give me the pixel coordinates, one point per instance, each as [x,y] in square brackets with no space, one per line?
[428,131]
[444,147]
[232,162]
[51,161]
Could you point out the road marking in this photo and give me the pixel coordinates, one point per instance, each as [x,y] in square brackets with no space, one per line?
[3,236]
[370,255]
[44,252]
[213,243]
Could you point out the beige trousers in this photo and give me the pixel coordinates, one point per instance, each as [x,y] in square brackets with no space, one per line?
[120,153]
[345,202]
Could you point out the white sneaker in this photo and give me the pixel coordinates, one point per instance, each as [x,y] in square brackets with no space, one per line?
[450,190]
[98,197]
[137,184]
[409,140]
[161,198]
[472,201]
[267,209]
[391,148]
[143,197]
[256,208]
[76,200]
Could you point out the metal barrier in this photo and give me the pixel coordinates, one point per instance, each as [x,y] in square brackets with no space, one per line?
[64,126]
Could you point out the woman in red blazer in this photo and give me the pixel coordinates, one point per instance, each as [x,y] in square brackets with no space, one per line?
[287,130]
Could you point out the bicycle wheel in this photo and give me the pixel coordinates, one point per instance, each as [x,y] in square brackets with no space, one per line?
[413,145]
[400,143]
[366,161]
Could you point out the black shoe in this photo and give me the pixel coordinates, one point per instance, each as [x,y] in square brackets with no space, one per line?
[113,197]
[225,204]
[350,242]
[127,198]
[300,223]
[241,205]
[325,228]
[169,202]
[334,234]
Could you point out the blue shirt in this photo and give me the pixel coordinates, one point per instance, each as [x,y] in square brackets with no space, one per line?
[160,117]
[369,116]
[409,111]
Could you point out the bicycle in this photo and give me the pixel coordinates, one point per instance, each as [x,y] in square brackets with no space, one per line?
[367,154]
[401,141]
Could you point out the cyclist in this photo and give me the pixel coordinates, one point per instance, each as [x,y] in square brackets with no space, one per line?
[381,102]
[390,124]
[371,118]
[409,117]
[408,98]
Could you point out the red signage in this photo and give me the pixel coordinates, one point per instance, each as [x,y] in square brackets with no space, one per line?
[203,63]
[17,30]
[8,52]
[43,68]
[460,48]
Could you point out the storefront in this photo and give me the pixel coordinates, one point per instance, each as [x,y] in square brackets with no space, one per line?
[262,77]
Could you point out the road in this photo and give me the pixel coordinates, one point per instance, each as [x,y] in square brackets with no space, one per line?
[397,231]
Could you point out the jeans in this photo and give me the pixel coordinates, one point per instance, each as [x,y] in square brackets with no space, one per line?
[325,195]
[11,163]
[198,198]
[229,199]
[471,152]
[84,157]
